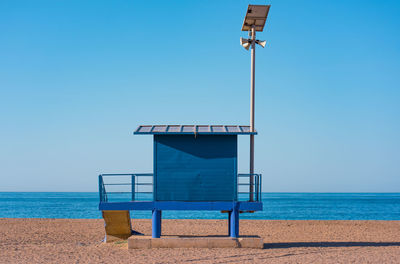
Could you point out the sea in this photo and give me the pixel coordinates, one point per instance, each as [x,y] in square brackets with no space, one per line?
[276,206]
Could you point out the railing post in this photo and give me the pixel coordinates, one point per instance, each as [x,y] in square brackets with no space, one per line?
[251,189]
[256,187]
[101,188]
[133,186]
[261,187]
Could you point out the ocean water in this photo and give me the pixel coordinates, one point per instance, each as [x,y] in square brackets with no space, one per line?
[279,206]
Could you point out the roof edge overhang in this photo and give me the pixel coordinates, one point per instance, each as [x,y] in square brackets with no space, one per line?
[193,130]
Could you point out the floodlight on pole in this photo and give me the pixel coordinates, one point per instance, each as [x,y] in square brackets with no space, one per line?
[255,19]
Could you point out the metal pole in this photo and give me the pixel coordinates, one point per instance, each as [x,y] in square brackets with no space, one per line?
[234,218]
[156,224]
[252,106]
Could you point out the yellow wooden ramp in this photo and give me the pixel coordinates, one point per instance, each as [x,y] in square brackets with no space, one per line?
[117,225]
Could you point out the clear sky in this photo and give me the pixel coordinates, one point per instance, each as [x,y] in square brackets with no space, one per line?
[77,77]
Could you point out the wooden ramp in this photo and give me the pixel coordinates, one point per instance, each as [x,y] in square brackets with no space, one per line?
[117,225]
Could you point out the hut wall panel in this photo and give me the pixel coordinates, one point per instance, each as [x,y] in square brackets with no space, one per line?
[195,168]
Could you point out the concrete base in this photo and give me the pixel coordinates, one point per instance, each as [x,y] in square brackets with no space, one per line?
[137,242]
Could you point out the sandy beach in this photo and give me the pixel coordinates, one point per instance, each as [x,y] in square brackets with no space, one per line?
[80,241]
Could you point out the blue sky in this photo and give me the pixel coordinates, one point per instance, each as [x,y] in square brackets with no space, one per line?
[77,77]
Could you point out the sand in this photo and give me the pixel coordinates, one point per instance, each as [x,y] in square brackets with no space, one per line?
[80,241]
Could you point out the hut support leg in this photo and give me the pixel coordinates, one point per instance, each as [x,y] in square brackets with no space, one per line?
[229,223]
[156,224]
[234,223]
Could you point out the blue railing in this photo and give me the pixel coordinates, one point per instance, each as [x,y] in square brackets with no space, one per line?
[135,186]
[139,186]
[245,188]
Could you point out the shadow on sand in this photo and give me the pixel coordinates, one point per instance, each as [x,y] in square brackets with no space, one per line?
[330,244]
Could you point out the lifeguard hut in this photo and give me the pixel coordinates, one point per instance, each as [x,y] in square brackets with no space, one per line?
[194,166]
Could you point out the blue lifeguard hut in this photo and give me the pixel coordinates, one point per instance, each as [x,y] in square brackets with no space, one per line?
[194,168]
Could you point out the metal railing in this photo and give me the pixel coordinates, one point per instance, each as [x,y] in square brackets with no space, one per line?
[136,183]
[245,184]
